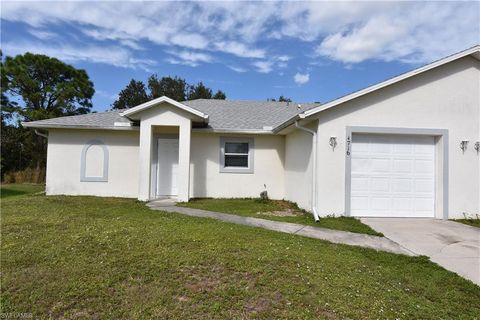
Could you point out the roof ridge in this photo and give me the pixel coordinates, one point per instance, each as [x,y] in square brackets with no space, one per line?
[255,101]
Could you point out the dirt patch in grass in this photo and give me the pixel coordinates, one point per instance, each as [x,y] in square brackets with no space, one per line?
[281,213]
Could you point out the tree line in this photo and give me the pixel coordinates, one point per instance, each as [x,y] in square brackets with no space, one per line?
[136,92]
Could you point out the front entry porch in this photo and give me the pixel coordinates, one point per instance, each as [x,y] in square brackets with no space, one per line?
[164,148]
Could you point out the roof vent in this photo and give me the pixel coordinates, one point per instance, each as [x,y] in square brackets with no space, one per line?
[299,107]
[122,124]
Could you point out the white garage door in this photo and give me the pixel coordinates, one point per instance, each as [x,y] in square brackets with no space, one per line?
[392,176]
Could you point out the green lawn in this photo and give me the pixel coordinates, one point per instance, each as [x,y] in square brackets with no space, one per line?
[261,209]
[15,190]
[470,222]
[87,257]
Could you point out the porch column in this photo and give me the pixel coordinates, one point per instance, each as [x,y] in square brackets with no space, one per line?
[184,161]
[145,151]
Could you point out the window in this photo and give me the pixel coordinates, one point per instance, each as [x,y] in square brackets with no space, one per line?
[236,155]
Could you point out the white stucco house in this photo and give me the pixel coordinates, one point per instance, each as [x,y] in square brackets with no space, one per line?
[405,147]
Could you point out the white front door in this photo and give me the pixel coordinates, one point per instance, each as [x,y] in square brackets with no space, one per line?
[392,176]
[167,172]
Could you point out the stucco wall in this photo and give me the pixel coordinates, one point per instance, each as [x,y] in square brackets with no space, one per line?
[163,115]
[207,181]
[298,168]
[443,98]
[64,160]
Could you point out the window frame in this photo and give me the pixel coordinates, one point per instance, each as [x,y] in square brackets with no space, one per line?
[83,160]
[251,149]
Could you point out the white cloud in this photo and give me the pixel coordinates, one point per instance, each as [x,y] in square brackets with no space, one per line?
[112,55]
[239,49]
[301,78]
[237,69]
[416,33]
[194,41]
[263,66]
[42,34]
[349,32]
[189,58]
[284,58]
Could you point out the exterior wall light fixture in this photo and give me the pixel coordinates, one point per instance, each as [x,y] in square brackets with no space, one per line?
[332,142]
[463,145]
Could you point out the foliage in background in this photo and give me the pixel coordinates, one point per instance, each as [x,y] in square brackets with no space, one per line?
[37,87]
[28,175]
[176,88]
[280,99]
[133,95]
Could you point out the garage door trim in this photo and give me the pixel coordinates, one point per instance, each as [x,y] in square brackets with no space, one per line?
[443,133]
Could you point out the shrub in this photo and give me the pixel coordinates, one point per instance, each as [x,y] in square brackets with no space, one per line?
[29,175]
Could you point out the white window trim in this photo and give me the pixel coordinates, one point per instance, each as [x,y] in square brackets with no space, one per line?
[251,149]
[83,164]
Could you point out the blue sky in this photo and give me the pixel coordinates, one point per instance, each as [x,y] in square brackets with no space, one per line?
[308,51]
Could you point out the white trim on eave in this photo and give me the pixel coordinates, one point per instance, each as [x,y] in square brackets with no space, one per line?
[156,101]
[60,126]
[474,51]
[233,131]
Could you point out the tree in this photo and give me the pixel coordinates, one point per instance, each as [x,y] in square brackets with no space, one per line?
[133,95]
[199,91]
[47,86]
[280,99]
[284,99]
[174,88]
[44,87]
[220,95]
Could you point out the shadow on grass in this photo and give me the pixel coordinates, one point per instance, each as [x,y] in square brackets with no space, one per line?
[6,193]
[15,190]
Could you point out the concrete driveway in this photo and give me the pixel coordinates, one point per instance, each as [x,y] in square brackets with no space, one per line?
[453,245]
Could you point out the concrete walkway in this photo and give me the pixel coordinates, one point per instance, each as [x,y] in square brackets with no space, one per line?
[453,245]
[335,236]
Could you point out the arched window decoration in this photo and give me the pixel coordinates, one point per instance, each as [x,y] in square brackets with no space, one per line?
[94,162]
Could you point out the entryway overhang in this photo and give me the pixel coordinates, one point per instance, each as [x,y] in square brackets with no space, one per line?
[157,119]
[135,112]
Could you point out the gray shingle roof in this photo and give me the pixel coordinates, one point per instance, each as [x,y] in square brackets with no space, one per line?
[90,120]
[223,115]
[247,115]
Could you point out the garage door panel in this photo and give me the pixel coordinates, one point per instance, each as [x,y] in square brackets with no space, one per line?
[403,165]
[361,165]
[403,205]
[402,149]
[424,186]
[380,203]
[402,185]
[361,146]
[392,175]
[423,204]
[359,183]
[380,148]
[379,165]
[424,166]
[360,202]
[380,184]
